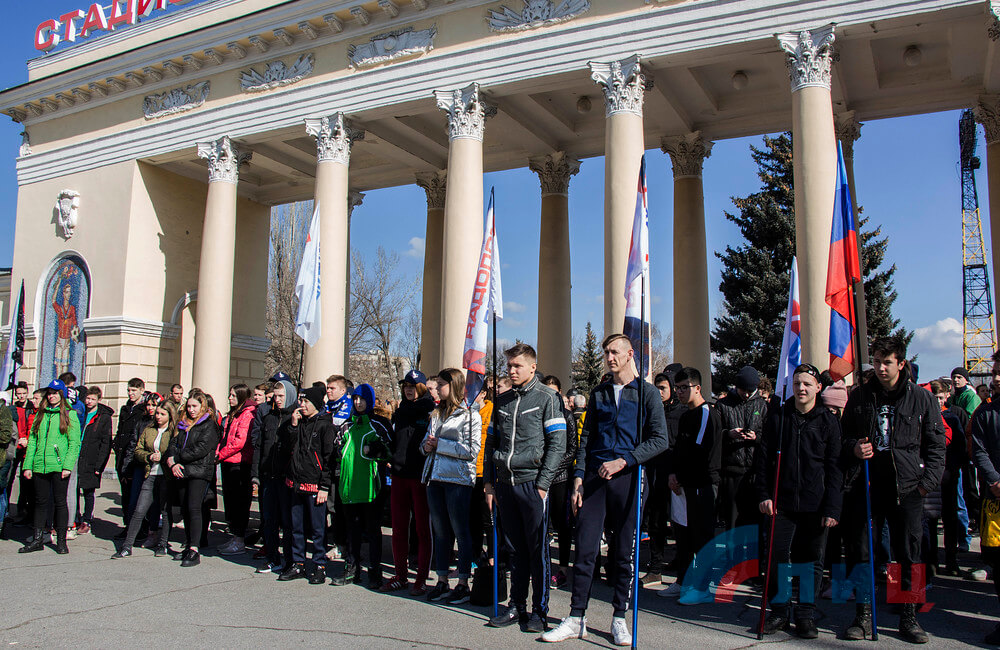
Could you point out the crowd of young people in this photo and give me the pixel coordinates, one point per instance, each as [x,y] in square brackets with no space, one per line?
[327,461]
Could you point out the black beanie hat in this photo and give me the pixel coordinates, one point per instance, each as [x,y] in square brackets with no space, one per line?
[316,395]
[748,379]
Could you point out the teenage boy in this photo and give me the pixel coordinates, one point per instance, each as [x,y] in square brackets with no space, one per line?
[612,447]
[896,426]
[128,418]
[986,458]
[524,445]
[338,398]
[177,396]
[965,395]
[95,450]
[807,436]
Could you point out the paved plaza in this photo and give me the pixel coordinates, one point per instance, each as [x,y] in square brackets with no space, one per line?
[86,600]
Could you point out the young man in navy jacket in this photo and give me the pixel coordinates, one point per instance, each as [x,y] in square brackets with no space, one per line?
[604,485]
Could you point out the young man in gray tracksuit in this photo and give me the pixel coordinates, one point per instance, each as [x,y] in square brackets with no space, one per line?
[524,445]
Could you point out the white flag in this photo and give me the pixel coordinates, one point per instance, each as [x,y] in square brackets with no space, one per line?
[308,321]
[791,340]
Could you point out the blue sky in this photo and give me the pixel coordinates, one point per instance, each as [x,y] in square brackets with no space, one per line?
[907,181]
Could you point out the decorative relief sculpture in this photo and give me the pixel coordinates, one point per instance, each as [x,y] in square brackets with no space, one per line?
[224,160]
[390,46]
[623,84]
[334,137]
[177,100]
[536,13]
[67,208]
[809,55]
[25,149]
[467,112]
[277,74]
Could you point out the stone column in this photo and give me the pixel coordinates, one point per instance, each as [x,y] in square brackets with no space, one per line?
[987,113]
[555,323]
[435,185]
[463,214]
[213,337]
[848,130]
[623,84]
[814,149]
[354,199]
[692,326]
[334,137]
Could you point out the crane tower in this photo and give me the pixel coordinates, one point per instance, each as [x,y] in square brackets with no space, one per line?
[977,306]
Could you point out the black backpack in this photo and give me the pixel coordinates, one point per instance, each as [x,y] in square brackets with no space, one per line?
[482,586]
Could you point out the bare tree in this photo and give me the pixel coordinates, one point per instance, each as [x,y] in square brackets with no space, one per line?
[660,353]
[289,229]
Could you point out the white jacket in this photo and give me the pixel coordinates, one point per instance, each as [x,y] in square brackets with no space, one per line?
[459,438]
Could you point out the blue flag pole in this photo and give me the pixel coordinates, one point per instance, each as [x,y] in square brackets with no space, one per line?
[638,475]
[493,508]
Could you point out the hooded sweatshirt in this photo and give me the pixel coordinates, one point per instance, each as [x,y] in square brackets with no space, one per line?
[362,442]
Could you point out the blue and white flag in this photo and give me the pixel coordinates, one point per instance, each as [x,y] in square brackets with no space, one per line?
[308,320]
[637,312]
[487,300]
[791,340]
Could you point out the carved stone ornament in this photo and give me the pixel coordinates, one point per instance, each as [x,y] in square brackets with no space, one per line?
[848,129]
[67,212]
[536,13]
[334,137]
[25,149]
[435,185]
[554,172]
[224,160]
[276,74]
[467,112]
[390,46]
[177,100]
[809,57]
[354,199]
[987,113]
[687,153]
[623,84]
[993,19]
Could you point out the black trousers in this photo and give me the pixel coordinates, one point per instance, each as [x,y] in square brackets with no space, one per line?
[365,519]
[50,492]
[694,537]
[905,530]
[480,523]
[656,514]
[738,506]
[607,506]
[799,541]
[191,492]
[237,492]
[525,530]
[561,520]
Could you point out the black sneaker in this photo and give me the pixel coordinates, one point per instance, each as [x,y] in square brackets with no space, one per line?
[507,616]
[805,628]
[536,624]
[318,576]
[124,551]
[294,572]
[460,594]
[439,591]
[193,558]
[161,550]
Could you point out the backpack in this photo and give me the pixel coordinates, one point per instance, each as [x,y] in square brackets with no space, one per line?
[482,586]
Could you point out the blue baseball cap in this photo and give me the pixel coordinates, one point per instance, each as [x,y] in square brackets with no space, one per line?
[414,377]
[280,376]
[55,384]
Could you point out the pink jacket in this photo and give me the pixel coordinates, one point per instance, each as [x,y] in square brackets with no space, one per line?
[236,446]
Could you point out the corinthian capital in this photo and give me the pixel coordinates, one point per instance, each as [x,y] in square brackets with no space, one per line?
[467,112]
[809,56]
[623,84]
[554,172]
[354,199]
[987,113]
[334,137]
[435,185]
[993,19]
[848,130]
[687,153]
[224,160]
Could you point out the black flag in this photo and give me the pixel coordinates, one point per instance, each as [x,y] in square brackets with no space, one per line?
[16,345]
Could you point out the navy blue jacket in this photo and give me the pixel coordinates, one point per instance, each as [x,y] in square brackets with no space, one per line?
[609,429]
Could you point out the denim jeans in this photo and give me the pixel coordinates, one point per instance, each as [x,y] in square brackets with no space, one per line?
[5,482]
[449,507]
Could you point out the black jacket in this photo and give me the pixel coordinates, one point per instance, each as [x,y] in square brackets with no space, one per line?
[749,415]
[270,443]
[95,448]
[916,446]
[986,444]
[311,452]
[956,454]
[609,429]
[126,435]
[195,449]
[139,425]
[565,469]
[697,464]
[811,476]
[409,425]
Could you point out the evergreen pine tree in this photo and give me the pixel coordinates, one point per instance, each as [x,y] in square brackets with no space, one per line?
[755,275]
[588,364]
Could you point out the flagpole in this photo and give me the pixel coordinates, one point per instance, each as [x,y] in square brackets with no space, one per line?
[493,507]
[774,516]
[638,475]
[302,356]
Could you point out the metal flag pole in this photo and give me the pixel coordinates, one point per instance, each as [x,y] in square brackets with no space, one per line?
[493,508]
[638,475]
[302,356]
[774,502]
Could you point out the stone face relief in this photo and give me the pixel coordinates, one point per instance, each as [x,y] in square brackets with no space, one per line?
[391,45]
[67,211]
[276,74]
[176,100]
[536,13]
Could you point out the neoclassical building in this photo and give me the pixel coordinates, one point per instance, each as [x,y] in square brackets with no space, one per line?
[155,146]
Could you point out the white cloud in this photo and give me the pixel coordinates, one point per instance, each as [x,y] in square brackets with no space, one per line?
[513,307]
[416,248]
[656,300]
[939,348]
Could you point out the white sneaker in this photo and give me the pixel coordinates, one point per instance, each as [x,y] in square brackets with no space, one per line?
[619,632]
[571,627]
[673,591]
[71,533]
[979,575]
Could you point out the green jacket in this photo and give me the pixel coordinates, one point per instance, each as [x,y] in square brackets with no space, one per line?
[967,399]
[49,450]
[6,433]
[362,444]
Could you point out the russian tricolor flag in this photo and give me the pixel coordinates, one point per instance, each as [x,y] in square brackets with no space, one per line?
[791,340]
[637,312]
[843,271]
